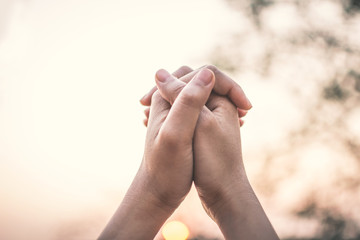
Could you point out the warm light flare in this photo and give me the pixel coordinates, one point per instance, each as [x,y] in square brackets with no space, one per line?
[175,230]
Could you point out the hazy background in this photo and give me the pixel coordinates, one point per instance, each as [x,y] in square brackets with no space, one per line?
[71,134]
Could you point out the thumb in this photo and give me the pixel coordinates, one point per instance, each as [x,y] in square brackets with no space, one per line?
[187,104]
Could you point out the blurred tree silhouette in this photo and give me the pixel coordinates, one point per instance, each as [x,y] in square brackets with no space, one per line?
[313,49]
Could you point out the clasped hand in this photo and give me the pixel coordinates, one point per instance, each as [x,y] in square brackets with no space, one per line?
[193,135]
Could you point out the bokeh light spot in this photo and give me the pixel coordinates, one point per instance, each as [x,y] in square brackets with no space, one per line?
[175,230]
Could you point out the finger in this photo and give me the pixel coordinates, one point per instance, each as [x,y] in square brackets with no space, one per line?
[158,110]
[147,112]
[182,71]
[241,121]
[169,86]
[145,121]
[222,105]
[241,112]
[160,102]
[225,86]
[184,113]
[146,99]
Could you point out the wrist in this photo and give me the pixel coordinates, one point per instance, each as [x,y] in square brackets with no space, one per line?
[144,193]
[217,196]
[233,200]
[240,215]
[161,189]
[140,214]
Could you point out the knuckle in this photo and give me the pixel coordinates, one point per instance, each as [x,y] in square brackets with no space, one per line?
[156,97]
[185,68]
[159,103]
[225,103]
[168,139]
[176,90]
[207,122]
[189,98]
[211,67]
[229,106]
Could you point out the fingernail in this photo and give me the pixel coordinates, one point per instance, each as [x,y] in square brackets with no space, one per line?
[205,76]
[162,75]
[249,103]
[143,97]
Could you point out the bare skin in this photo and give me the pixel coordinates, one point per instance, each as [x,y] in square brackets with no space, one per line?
[224,86]
[219,173]
[192,135]
[166,173]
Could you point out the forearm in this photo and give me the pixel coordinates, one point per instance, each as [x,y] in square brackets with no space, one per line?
[241,216]
[140,215]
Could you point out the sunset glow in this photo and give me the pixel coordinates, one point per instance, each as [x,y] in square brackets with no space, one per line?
[175,230]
